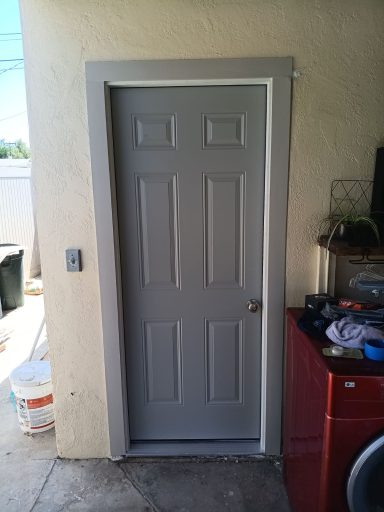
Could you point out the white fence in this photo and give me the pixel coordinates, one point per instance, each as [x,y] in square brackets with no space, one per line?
[17,223]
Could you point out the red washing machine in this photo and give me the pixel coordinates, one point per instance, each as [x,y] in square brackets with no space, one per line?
[333,434]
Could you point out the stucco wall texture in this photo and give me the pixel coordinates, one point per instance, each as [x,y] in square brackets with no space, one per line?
[337,122]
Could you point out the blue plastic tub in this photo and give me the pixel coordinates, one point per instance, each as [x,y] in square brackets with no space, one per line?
[374,349]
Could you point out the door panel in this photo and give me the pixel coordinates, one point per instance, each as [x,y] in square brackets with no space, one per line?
[224,248]
[224,345]
[223,131]
[162,361]
[154,131]
[189,167]
[157,215]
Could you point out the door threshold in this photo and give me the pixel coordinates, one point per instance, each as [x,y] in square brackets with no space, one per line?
[193,448]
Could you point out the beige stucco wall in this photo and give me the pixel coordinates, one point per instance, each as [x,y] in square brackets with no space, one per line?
[337,122]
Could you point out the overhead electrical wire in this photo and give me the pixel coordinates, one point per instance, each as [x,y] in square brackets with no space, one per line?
[12,68]
[14,115]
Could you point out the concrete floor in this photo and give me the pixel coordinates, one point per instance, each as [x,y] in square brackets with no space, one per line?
[18,329]
[33,479]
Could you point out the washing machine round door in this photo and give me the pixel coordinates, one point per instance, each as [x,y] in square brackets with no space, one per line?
[365,488]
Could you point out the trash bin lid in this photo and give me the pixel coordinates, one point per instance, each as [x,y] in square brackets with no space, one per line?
[7,249]
[34,373]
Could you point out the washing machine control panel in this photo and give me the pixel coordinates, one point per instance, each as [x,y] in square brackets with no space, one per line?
[356,397]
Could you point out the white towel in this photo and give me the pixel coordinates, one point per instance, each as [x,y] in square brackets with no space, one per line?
[347,333]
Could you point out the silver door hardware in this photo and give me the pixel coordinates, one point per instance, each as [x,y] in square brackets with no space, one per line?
[350,384]
[73,260]
[253,306]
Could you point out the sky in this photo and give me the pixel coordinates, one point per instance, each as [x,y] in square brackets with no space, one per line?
[13,109]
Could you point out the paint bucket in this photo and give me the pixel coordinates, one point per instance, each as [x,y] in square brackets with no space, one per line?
[31,383]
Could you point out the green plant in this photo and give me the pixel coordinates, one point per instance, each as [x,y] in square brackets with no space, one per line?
[353,219]
[18,150]
[3,151]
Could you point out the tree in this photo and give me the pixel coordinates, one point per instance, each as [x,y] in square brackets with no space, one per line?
[17,150]
[3,151]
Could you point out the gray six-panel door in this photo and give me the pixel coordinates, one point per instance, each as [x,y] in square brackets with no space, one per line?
[189,167]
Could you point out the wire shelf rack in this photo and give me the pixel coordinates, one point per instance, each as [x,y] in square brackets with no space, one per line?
[350,197]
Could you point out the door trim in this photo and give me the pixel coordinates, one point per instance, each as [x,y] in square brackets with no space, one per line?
[276,74]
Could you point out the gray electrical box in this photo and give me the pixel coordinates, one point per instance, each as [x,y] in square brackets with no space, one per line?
[73,260]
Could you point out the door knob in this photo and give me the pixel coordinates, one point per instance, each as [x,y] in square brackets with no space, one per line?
[253,306]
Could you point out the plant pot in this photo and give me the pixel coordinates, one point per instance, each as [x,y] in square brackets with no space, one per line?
[359,235]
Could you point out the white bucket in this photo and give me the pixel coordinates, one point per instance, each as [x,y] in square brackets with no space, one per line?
[31,383]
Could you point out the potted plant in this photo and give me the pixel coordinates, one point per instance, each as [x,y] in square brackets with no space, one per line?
[356,230]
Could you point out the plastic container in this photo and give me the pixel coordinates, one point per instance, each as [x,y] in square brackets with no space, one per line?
[12,279]
[374,349]
[32,386]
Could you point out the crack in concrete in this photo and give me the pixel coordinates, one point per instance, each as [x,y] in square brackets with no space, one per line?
[67,504]
[44,484]
[78,496]
[139,490]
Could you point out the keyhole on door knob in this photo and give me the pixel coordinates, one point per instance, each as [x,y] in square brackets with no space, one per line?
[253,306]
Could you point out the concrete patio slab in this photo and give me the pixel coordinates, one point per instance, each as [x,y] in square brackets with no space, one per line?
[25,461]
[21,483]
[33,479]
[18,329]
[89,485]
[190,485]
[16,446]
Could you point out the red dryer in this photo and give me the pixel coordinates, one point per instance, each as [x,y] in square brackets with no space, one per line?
[333,432]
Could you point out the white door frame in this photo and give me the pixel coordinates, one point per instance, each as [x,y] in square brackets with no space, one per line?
[276,74]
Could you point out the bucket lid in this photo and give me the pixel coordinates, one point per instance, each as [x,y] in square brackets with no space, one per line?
[8,249]
[34,373]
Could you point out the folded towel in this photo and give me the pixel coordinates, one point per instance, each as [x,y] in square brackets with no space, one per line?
[349,334]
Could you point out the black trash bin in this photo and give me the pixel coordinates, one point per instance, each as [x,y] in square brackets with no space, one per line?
[12,279]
